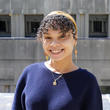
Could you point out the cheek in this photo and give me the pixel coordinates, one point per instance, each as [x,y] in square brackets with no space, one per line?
[69,45]
[70,48]
[45,46]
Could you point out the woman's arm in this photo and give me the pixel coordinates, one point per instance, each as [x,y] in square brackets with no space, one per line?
[18,96]
[93,98]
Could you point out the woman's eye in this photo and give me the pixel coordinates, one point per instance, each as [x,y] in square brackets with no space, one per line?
[47,38]
[62,36]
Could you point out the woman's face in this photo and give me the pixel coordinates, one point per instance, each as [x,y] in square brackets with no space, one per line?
[58,46]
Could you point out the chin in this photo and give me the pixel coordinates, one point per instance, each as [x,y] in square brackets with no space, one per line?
[57,59]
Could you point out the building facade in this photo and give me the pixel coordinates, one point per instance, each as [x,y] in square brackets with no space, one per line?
[19,20]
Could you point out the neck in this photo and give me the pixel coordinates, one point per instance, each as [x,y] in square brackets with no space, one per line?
[64,66]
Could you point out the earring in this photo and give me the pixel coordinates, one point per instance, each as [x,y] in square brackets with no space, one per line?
[46,56]
[75,53]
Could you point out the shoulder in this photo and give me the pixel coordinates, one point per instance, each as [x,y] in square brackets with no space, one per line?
[88,76]
[33,67]
[90,79]
[30,69]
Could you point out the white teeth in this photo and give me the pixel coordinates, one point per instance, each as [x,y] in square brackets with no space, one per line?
[56,51]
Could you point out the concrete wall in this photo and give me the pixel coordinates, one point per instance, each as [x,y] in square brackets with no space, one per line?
[14,56]
[44,6]
[93,55]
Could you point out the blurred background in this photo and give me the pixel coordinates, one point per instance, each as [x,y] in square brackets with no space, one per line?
[19,21]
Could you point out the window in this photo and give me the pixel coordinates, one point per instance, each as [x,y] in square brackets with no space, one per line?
[98,25]
[2,26]
[5,27]
[32,23]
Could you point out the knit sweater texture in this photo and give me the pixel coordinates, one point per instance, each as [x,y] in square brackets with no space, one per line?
[76,90]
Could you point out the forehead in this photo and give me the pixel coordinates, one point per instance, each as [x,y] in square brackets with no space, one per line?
[52,31]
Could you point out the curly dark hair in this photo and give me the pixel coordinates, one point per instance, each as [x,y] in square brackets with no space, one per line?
[55,22]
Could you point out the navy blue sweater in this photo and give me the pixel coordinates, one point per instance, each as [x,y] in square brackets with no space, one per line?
[76,90]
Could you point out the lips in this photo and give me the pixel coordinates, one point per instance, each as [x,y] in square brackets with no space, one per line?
[56,51]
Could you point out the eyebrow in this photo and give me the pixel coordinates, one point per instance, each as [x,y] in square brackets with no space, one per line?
[48,33]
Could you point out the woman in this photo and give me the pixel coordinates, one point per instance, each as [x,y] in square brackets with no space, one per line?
[57,84]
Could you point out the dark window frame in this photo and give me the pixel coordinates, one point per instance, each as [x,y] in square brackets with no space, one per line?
[6,30]
[30,30]
[98,26]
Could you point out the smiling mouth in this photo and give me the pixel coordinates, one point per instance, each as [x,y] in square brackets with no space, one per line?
[56,51]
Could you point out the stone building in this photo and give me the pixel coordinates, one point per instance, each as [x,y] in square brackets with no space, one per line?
[19,20]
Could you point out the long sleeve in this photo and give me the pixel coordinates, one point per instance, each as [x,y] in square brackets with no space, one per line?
[93,98]
[19,96]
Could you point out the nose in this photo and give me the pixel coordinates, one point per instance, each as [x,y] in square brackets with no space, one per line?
[55,43]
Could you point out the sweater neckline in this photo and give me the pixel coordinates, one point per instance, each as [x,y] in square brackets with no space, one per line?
[68,73]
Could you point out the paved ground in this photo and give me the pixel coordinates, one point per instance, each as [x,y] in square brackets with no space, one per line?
[6,101]
[106,101]
[7,98]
